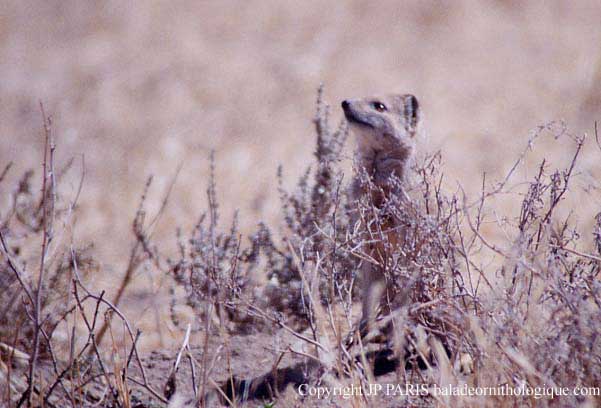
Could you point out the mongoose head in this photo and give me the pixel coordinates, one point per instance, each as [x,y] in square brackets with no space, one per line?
[385,123]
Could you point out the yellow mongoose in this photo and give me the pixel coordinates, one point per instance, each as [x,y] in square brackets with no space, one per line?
[386,129]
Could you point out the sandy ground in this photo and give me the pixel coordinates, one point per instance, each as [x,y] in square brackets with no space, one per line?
[140,88]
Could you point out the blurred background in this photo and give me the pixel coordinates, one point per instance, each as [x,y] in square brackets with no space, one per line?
[139,88]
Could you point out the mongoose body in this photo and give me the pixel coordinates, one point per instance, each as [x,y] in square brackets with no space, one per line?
[385,128]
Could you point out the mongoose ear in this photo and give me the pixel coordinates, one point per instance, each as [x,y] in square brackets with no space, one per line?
[412,113]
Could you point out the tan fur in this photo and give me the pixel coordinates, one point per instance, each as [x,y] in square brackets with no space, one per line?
[385,128]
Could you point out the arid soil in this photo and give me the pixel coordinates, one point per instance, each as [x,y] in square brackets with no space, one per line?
[151,88]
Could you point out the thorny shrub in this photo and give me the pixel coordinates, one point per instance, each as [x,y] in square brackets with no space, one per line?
[21,225]
[533,314]
[524,310]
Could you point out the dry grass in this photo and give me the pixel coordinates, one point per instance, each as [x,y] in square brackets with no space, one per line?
[463,306]
[498,282]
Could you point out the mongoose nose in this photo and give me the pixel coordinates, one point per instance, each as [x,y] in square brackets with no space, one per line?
[345,104]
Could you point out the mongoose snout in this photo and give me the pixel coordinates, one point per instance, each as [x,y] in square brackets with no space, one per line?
[355,116]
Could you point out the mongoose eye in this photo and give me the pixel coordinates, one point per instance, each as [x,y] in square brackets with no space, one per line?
[379,106]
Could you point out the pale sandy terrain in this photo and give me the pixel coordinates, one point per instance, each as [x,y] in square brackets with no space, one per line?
[140,88]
